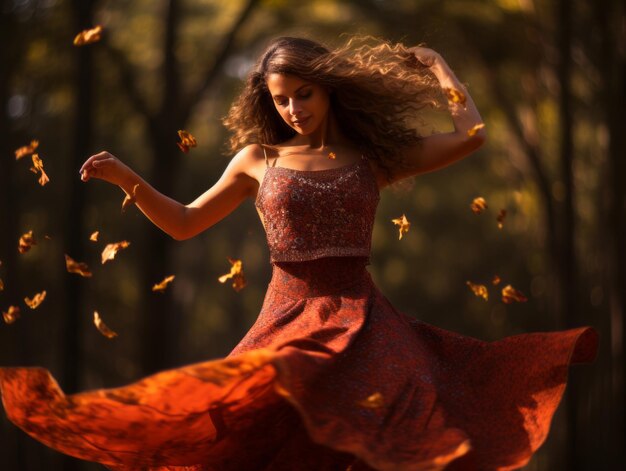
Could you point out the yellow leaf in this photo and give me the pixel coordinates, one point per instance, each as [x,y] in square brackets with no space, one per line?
[186,141]
[510,295]
[479,290]
[477,127]
[36,301]
[478,205]
[455,96]
[404,224]
[102,327]
[26,150]
[160,287]
[11,315]
[88,36]
[111,250]
[130,199]
[236,273]
[79,268]
[26,242]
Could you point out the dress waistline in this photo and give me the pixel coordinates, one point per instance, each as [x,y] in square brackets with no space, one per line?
[327,276]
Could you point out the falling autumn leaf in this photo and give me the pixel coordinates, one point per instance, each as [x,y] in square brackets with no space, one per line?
[160,287]
[510,294]
[111,250]
[26,150]
[36,301]
[102,327]
[88,36]
[79,268]
[404,224]
[94,236]
[332,155]
[26,242]
[500,218]
[479,290]
[495,281]
[38,167]
[477,127]
[236,273]
[186,141]
[374,401]
[11,315]
[455,96]
[478,205]
[1,285]
[130,199]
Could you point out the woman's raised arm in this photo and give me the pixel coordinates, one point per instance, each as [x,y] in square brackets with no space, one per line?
[177,220]
[439,150]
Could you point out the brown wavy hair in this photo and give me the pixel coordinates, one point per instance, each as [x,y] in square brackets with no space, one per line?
[376,88]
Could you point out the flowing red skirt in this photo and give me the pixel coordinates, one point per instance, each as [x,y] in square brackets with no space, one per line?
[330,377]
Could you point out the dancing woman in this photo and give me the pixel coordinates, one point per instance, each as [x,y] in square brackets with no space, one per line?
[331,376]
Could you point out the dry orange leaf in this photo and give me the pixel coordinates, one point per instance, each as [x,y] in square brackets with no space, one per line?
[186,141]
[26,242]
[404,224]
[455,96]
[510,294]
[495,281]
[500,218]
[477,127]
[102,327]
[373,401]
[79,268]
[94,236]
[11,315]
[478,205]
[111,250]
[1,285]
[130,199]
[36,301]
[160,287]
[38,167]
[332,155]
[479,290]
[26,150]
[236,273]
[88,36]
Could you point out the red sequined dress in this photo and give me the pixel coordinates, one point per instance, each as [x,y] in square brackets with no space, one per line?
[330,377]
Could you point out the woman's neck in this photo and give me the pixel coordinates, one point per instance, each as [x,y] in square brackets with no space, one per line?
[328,133]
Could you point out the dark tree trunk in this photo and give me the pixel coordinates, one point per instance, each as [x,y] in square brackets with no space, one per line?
[566,256]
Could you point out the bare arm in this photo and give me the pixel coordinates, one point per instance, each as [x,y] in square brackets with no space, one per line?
[178,220]
[440,150]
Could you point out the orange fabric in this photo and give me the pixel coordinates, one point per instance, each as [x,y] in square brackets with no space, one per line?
[293,393]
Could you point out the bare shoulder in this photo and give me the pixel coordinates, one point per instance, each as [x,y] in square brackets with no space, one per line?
[247,165]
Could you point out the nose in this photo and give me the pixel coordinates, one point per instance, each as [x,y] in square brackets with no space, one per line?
[294,107]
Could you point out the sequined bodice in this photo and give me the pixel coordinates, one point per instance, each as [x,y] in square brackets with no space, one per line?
[310,214]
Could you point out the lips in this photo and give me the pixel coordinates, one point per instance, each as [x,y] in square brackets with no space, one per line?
[301,122]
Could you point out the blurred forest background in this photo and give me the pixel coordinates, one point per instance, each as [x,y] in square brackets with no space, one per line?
[547,76]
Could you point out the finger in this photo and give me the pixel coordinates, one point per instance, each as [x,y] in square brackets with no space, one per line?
[93,158]
[102,162]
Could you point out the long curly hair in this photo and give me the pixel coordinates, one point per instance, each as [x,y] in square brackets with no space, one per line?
[376,88]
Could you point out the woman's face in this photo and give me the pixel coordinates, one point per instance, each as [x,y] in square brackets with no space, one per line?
[302,104]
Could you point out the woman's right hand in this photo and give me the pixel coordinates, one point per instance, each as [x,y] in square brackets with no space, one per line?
[105,166]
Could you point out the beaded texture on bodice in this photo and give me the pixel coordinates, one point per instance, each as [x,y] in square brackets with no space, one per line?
[310,214]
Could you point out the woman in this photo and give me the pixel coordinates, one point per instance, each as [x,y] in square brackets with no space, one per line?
[331,376]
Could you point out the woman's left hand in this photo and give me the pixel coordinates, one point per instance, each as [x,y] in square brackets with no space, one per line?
[425,55]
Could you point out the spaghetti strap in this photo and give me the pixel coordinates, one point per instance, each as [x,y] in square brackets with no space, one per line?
[265,154]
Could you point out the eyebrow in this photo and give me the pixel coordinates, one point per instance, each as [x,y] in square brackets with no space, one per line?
[298,89]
